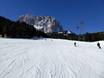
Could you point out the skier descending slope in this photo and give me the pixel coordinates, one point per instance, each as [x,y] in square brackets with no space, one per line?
[98,44]
[75,44]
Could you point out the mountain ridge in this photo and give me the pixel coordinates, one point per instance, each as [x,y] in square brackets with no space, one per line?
[47,24]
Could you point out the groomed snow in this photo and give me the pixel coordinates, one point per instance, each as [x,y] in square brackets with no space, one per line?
[50,58]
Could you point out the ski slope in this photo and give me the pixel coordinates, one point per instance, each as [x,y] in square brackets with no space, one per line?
[50,58]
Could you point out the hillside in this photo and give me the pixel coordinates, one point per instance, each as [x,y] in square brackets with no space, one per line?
[50,58]
[12,29]
[29,26]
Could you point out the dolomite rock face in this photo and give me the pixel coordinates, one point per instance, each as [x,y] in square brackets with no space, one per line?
[47,24]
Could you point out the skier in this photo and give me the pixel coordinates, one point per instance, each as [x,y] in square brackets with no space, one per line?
[98,44]
[75,44]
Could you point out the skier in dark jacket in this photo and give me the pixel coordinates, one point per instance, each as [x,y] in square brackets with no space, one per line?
[75,44]
[98,44]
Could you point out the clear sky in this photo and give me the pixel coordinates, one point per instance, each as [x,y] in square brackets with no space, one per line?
[68,12]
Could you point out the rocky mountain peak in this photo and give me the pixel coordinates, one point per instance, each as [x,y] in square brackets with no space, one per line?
[47,24]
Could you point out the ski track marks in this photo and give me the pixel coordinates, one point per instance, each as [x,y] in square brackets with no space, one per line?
[50,58]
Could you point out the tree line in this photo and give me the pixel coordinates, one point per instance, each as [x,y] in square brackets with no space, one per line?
[12,29]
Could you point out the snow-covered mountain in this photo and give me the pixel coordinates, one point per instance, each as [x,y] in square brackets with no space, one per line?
[50,58]
[47,24]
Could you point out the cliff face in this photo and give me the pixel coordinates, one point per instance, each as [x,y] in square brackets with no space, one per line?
[47,24]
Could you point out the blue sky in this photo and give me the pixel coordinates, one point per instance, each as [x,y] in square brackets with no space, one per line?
[68,12]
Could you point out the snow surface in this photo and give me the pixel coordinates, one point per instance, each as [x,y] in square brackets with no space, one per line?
[38,27]
[50,58]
